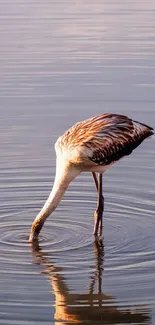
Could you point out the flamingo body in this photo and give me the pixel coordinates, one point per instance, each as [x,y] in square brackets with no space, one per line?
[92,145]
[96,143]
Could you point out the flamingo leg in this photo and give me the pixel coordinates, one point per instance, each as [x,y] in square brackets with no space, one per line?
[95,179]
[98,215]
[96,183]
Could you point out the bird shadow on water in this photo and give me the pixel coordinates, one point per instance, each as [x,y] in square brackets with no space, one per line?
[91,308]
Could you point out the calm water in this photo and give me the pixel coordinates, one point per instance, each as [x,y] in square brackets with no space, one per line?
[62,62]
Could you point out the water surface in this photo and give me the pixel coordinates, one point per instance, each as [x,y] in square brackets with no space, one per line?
[62,62]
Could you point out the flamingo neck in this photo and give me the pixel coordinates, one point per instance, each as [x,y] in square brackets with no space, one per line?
[61,183]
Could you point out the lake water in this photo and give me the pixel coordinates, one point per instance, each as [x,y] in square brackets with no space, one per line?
[62,62]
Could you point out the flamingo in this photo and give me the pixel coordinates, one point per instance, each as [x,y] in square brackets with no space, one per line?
[93,145]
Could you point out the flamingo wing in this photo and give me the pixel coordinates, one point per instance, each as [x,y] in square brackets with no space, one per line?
[112,136]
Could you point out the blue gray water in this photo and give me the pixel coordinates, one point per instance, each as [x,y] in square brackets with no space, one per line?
[62,62]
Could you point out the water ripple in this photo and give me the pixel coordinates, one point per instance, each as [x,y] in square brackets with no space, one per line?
[128,230]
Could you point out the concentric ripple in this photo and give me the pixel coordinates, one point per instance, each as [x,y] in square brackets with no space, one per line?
[128,229]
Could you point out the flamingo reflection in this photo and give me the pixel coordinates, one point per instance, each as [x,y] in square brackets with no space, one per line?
[91,308]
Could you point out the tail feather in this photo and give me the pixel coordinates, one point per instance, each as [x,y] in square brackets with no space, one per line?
[146,127]
[143,130]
